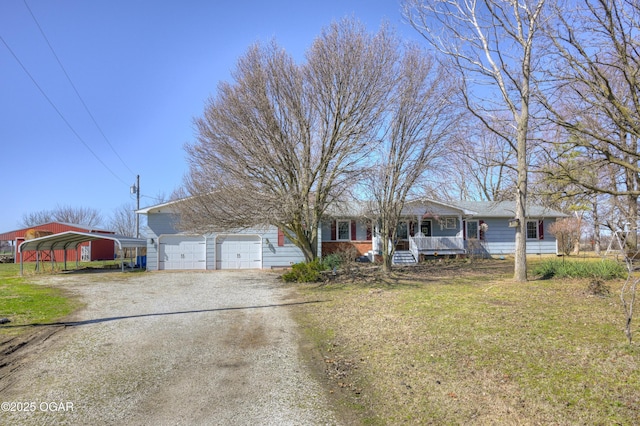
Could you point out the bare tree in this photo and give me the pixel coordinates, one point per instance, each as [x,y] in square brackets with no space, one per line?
[484,168]
[36,218]
[123,220]
[567,232]
[596,96]
[283,141]
[596,100]
[85,216]
[490,44]
[419,121]
[556,188]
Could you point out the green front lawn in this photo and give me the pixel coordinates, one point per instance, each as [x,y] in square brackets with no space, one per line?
[464,344]
[25,303]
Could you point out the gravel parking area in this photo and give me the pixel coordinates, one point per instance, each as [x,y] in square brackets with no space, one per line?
[183,348]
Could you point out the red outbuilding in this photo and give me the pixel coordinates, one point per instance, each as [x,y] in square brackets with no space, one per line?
[88,251]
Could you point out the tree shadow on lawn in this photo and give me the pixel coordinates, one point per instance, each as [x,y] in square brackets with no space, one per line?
[413,276]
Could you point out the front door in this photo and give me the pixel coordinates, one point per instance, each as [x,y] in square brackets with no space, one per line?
[402,236]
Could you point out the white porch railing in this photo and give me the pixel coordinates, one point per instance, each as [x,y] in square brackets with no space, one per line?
[421,244]
[413,248]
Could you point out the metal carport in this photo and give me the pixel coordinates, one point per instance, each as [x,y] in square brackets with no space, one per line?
[72,239]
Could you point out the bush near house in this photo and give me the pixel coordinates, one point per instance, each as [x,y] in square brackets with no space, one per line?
[305,272]
[310,272]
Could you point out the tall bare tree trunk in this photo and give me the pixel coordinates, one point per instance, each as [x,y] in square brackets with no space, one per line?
[631,178]
[596,227]
[387,249]
[520,269]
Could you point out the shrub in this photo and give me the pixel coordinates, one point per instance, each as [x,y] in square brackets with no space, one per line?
[567,232]
[306,272]
[604,270]
[333,260]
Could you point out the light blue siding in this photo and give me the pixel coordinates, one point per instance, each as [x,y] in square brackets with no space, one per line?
[274,256]
[159,224]
[438,228]
[500,239]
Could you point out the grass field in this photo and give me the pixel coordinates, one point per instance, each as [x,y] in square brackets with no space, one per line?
[24,303]
[461,343]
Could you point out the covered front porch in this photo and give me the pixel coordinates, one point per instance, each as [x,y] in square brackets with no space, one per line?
[430,229]
[411,250]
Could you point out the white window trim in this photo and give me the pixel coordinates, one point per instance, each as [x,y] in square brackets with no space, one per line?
[449,223]
[536,222]
[338,222]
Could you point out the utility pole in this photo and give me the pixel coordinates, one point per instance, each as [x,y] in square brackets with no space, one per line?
[137,206]
[135,189]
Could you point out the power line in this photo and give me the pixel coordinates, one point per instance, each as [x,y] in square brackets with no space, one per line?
[58,111]
[74,87]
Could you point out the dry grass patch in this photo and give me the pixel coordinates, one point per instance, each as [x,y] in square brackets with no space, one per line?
[460,343]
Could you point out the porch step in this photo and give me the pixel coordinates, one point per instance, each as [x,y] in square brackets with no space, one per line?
[403,257]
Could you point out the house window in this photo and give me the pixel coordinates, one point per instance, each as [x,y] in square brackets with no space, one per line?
[473,229]
[344,230]
[450,223]
[532,230]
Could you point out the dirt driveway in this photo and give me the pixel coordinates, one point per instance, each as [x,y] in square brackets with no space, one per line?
[184,348]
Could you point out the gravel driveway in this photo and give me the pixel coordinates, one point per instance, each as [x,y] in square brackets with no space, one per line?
[183,348]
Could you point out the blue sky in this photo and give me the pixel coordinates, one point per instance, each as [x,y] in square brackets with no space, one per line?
[144,69]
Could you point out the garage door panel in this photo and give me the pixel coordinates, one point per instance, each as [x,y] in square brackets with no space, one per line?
[182,252]
[239,252]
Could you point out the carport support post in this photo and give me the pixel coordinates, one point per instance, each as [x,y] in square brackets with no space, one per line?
[121,251]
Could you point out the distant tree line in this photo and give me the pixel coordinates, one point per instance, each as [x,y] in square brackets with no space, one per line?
[122,220]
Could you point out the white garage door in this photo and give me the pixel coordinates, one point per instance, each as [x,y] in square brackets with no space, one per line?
[182,252]
[238,252]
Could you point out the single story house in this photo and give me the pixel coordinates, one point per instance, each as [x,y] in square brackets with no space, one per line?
[428,227]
